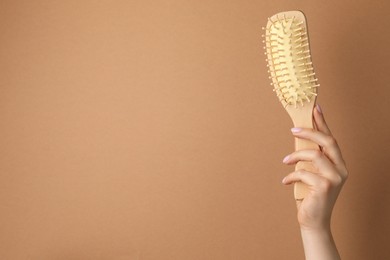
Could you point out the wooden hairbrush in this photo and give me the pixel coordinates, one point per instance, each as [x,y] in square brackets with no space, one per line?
[293,78]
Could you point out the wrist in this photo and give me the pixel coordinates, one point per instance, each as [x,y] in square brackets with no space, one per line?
[319,244]
[316,229]
[323,233]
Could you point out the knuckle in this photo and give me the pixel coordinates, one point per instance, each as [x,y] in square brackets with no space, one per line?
[339,180]
[317,154]
[330,141]
[345,174]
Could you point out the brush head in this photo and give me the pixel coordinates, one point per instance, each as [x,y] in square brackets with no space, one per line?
[288,57]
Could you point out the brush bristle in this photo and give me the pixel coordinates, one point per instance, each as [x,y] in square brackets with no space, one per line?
[290,67]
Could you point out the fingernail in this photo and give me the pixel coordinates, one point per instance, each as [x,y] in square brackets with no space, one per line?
[284,180]
[296,129]
[286,158]
[319,108]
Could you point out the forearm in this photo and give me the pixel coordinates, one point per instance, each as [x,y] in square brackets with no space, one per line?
[319,245]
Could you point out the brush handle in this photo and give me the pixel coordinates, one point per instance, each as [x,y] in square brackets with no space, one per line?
[301,189]
[303,118]
[306,121]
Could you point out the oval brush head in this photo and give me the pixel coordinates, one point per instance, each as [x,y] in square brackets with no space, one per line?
[288,57]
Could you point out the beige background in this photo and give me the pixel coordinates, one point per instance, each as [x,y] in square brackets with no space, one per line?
[148,129]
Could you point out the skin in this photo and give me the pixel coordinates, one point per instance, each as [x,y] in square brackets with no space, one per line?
[315,211]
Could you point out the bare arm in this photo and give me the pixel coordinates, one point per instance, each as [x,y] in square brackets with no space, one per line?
[314,212]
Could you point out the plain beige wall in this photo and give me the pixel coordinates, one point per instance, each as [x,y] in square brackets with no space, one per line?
[148,129]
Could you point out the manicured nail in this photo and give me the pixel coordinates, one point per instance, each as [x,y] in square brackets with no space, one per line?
[296,129]
[286,158]
[284,180]
[319,108]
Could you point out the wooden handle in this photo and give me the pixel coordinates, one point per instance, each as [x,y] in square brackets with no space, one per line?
[301,189]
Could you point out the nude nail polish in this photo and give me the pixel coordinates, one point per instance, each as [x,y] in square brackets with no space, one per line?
[319,108]
[296,129]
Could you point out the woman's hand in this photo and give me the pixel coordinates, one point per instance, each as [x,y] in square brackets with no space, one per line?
[314,212]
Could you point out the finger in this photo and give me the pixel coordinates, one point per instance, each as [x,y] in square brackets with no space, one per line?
[314,182]
[322,126]
[327,142]
[306,177]
[319,120]
[317,158]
